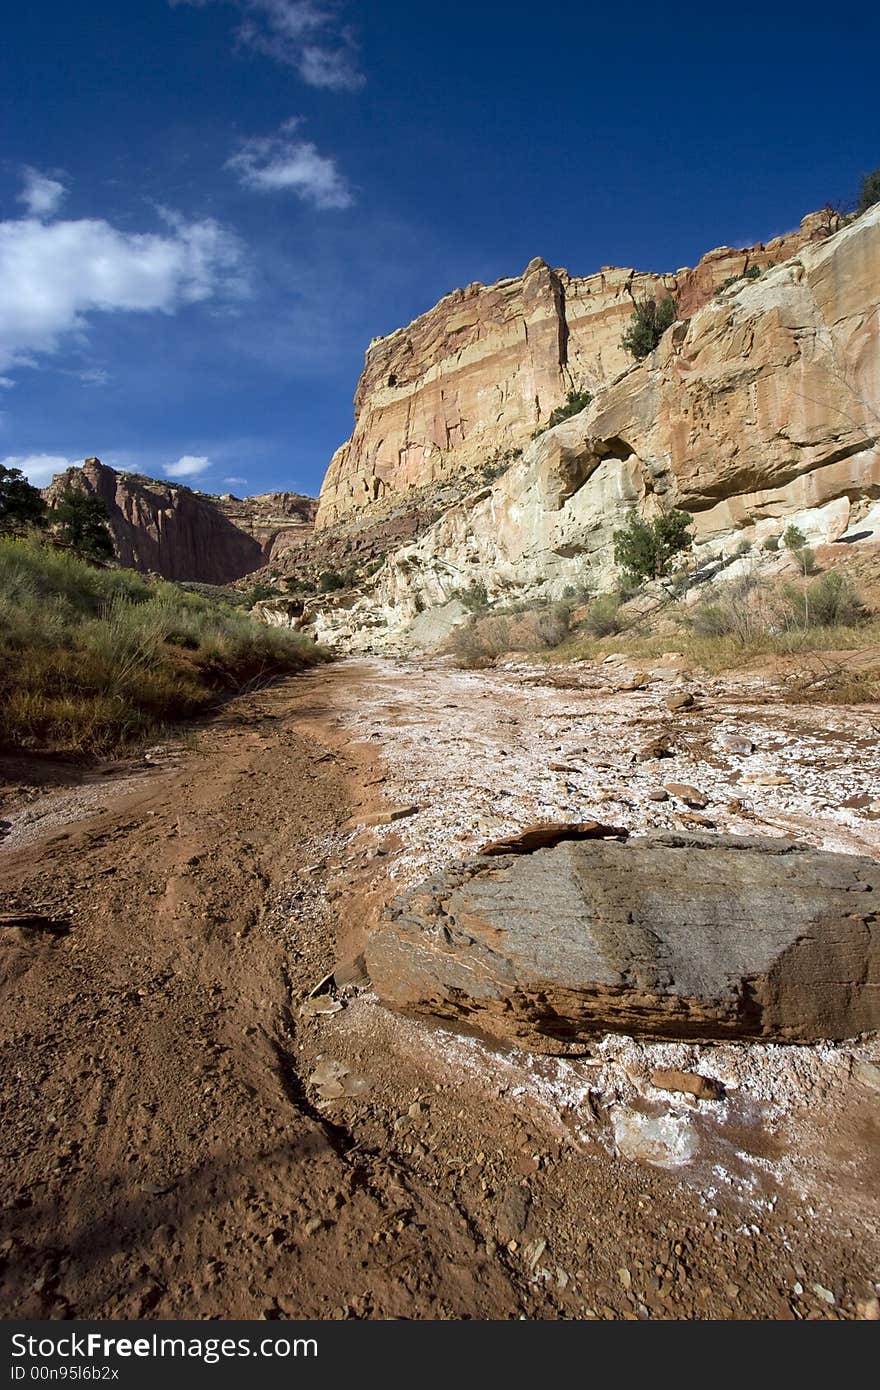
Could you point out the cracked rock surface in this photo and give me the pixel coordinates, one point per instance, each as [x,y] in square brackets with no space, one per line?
[675,935]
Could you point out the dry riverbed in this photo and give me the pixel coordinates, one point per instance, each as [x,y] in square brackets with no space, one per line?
[186,1132]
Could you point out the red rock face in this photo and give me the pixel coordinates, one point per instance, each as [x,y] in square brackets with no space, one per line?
[472,379]
[165,529]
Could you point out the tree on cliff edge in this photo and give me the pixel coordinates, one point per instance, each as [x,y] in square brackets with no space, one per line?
[21,504]
[647,326]
[80,520]
[869,193]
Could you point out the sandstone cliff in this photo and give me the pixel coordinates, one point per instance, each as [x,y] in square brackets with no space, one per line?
[763,407]
[470,380]
[168,529]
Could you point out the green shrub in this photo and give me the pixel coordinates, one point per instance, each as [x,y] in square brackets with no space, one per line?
[830,601]
[795,542]
[603,618]
[521,629]
[21,504]
[475,598]
[646,549]
[869,193]
[575,402]
[330,581]
[754,272]
[712,620]
[80,520]
[647,326]
[260,591]
[498,463]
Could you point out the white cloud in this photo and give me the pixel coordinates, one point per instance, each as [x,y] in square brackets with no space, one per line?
[53,275]
[39,469]
[281,164]
[41,194]
[189,466]
[6,383]
[241,482]
[302,34]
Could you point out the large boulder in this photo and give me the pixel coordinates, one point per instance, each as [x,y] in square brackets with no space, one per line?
[666,935]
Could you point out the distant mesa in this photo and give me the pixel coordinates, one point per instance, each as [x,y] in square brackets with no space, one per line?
[168,529]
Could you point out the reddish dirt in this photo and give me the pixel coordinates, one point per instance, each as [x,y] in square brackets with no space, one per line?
[164,1153]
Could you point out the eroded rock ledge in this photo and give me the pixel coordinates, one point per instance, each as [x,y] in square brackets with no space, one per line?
[667,935]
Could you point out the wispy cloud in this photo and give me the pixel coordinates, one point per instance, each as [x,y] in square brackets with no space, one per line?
[55,274]
[41,194]
[283,164]
[189,466]
[39,469]
[93,376]
[233,482]
[303,34]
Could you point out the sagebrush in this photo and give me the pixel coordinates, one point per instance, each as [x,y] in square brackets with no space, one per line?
[95,660]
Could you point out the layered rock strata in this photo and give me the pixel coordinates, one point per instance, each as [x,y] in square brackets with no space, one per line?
[763,408]
[468,382]
[666,935]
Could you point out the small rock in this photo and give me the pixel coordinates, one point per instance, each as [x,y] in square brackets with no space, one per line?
[683,700]
[321,1004]
[866,1073]
[625,1278]
[658,795]
[313,1225]
[825,1294]
[690,1082]
[665,1141]
[857,802]
[546,834]
[533,1252]
[691,796]
[736,743]
[384,817]
[766,779]
[657,747]
[868,1309]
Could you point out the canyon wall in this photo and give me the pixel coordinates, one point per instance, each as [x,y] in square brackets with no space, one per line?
[170,530]
[470,381]
[762,408]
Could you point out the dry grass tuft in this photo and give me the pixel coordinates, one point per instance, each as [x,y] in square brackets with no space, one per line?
[96,661]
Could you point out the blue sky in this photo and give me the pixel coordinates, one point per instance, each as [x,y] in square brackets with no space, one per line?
[209,207]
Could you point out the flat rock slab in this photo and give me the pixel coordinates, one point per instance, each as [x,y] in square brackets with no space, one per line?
[669,935]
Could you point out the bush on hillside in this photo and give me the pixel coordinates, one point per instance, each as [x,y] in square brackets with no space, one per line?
[830,601]
[96,660]
[795,542]
[330,581]
[80,520]
[760,616]
[647,326]
[646,549]
[869,193]
[575,402]
[489,636]
[603,618]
